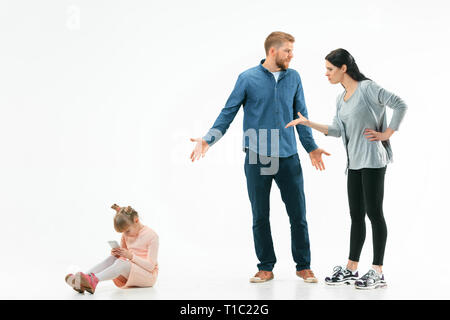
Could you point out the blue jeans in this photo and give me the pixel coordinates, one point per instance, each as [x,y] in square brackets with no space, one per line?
[289,179]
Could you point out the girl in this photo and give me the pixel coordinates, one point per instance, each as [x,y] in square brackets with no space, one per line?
[134,263]
[361,121]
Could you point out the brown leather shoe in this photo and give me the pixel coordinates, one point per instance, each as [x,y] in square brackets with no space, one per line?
[307,275]
[262,276]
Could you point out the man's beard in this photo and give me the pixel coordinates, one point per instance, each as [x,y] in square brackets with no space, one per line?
[280,63]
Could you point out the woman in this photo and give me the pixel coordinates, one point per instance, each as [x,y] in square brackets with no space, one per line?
[361,122]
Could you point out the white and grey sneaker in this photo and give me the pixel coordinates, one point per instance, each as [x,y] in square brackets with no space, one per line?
[340,276]
[371,280]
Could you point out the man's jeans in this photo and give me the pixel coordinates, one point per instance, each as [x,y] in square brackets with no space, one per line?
[289,179]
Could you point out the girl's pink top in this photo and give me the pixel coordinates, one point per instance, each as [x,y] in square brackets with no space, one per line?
[144,264]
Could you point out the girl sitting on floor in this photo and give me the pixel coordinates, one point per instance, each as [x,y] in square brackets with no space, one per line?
[133,264]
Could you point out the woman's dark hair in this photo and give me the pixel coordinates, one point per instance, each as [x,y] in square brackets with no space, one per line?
[339,57]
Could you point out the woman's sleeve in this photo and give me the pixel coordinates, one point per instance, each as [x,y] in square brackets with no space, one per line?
[150,262]
[334,130]
[381,97]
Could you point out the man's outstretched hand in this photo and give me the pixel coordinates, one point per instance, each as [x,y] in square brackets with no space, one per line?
[316,158]
[200,149]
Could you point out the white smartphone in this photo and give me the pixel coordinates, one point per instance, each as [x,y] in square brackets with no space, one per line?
[114,244]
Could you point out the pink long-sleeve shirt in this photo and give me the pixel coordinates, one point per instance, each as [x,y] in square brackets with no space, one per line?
[144,267]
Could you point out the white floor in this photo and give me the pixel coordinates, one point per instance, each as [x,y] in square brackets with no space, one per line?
[226,286]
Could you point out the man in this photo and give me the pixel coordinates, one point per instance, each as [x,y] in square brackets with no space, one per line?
[272,94]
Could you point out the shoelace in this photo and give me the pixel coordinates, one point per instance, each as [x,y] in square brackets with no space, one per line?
[369,274]
[337,270]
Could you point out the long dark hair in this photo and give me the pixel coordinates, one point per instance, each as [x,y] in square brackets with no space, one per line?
[339,57]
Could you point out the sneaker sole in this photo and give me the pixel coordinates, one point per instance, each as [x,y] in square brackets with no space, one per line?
[346,282]
[377,286]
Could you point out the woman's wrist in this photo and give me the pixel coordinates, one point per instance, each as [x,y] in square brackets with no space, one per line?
[319,127]
[388,133]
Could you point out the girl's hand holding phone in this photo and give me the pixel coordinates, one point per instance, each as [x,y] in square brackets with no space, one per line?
[121,252]
[114,252]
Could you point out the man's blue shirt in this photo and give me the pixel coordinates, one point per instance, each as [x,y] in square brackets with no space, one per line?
[268,105]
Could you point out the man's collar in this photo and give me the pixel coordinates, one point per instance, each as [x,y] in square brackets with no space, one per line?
[262,67]
[267,70]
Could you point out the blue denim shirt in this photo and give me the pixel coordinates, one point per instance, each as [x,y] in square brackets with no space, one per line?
[268,106]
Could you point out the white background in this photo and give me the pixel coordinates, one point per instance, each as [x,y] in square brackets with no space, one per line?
[98,100]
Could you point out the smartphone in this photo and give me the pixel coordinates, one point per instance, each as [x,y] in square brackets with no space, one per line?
[114,244]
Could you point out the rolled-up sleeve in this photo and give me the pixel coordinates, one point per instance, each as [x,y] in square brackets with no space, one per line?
[334,130]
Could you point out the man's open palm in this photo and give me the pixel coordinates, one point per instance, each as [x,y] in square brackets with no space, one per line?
[200,149]
[316,158]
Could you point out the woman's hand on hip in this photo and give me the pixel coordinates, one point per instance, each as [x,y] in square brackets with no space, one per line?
[373,135]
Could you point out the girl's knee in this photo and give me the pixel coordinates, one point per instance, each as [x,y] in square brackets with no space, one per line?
[111,259]
[120,262]
[123,265]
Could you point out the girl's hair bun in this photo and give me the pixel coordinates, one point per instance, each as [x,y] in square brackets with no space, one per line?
[128,210]
[124,217]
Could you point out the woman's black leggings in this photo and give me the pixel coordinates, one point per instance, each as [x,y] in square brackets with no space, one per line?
[365,189]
